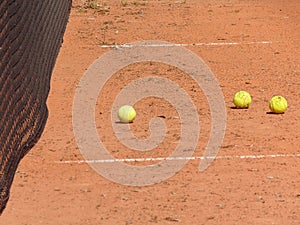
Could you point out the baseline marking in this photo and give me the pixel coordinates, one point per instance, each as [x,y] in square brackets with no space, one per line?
[186,45]
[176,158]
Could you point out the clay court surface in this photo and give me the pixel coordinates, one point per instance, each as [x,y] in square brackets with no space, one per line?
[262,188]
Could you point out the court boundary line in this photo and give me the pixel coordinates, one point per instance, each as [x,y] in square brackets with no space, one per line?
[120,46]
[177,158]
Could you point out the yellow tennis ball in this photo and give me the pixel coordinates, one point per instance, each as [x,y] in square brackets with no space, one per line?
[278,104]
[126,114]
[242,99]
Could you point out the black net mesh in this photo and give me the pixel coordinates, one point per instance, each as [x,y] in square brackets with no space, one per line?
[31,34]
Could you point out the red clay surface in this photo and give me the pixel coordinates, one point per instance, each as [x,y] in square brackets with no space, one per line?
[230,191]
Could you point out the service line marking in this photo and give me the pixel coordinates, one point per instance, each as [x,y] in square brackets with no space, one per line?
[186,45]
[176,158]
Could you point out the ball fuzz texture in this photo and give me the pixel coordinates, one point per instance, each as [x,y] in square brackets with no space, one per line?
[278,104]
[242,99]
[126,114]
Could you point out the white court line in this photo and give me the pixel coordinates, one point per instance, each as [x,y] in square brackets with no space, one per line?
[177,158]
[186,45]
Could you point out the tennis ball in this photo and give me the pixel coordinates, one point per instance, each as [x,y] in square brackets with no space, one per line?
[126,114]
[242,99]
[278,104]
